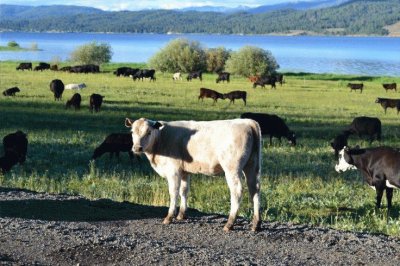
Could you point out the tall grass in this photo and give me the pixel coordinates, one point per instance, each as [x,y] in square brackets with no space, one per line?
[298,184]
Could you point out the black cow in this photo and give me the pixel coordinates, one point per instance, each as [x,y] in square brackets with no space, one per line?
[144,73]
[265,81]
[114,144]
[17,145]
[279,78]
[90,68]
[195,75]
[339,142]
[11,91]
[223,76]
[57,87]
[95,102]
[364,125]
[379,167]
[356,86]
[390,86]
[272,125]
[8,161]
[75,102]
[208,93]
[126,71]
[23,66]
[66,69]
[42,66]
[236,95]
[391,103]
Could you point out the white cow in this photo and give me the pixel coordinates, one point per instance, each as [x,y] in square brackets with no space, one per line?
[177,76]
[176,149]
[75,86]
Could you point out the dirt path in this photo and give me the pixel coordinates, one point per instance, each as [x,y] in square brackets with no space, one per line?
[44,229]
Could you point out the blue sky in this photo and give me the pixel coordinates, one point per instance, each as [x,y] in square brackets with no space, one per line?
[112,5]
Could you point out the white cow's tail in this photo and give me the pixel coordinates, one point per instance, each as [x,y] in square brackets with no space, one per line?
[257,146]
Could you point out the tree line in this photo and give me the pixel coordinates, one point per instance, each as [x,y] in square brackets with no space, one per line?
[366,17]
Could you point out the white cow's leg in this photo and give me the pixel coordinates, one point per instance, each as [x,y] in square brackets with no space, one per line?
[253,184]
[183,191]
[235,187]
[173,187]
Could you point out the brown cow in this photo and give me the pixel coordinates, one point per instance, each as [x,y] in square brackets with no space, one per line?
[208,93]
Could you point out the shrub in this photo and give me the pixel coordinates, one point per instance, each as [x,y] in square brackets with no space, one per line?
[92,53]
[179,55]
[251,60]
[13,44]
[216,58]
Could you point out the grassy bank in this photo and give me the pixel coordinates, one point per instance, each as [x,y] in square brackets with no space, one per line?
[298,184]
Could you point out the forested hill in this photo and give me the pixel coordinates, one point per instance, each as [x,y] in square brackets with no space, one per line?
[357,17]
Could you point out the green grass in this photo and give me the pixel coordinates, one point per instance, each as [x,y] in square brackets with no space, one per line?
[16,49]
[298,184]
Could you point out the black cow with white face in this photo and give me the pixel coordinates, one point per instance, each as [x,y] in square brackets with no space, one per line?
[379,166]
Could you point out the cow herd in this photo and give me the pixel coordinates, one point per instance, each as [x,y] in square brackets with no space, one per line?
[178,148]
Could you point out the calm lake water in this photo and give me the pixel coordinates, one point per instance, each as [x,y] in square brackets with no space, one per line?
[342,55]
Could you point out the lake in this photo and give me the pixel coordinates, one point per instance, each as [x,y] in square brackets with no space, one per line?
[373,56]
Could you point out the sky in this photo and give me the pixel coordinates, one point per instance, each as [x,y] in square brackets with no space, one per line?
[113,5]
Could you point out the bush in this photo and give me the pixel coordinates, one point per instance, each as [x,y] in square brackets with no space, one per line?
[13,44]
[250,60]
[216,58]
[179,55]
[92,53]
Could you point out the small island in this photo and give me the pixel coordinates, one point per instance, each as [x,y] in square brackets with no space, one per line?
[14,46]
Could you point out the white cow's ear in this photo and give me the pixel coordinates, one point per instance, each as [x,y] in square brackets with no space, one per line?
[128,122]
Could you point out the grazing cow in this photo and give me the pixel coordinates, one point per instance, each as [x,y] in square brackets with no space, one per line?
[391,103]
[23,66]
[57,87]
[17,145]
[90,68]
[42,66]
[54,67]
[66,69]
[11,91]
[74,86]
[355,86]
[177,76]
[339,142]
[236,95]
[390,86]
[379,167]
[144,73]
[265,81]
[208,93]
[125,71]
[75,102]
[223,76]
[272,125]
[95,102]
[195,75]
[364,125]
[179,148]
[114,144]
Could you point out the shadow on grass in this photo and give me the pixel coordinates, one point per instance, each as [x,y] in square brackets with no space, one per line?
[78,209]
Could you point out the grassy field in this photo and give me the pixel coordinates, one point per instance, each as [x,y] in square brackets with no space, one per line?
[299,184]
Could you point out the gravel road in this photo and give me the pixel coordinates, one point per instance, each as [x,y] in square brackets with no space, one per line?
[46,229]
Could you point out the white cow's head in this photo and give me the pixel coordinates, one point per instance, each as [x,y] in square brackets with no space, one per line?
[144,133]
[345,161]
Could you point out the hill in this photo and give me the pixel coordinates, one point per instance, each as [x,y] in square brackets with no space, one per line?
[367,17]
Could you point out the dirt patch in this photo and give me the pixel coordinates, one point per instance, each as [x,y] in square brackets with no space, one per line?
[44,229]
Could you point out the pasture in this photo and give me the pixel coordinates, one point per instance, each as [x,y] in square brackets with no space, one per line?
[299,184]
